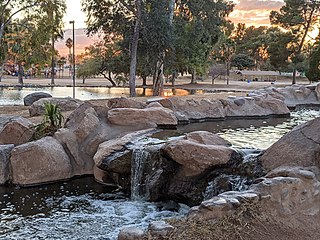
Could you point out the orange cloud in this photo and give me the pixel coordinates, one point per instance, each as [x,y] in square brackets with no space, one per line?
[253,12]
[81,39]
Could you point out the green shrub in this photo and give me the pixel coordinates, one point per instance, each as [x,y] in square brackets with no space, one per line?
[52,121]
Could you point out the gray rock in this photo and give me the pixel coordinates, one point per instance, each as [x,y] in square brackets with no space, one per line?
[131,233]
[5,151]
[15,130]
[33,97]
[65,104]
[148,117]
[300,147]
[40,162]
[159,229]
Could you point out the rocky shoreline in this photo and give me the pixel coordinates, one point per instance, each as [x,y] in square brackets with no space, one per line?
[101,138]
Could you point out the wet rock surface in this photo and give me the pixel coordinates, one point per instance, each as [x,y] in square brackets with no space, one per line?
[5,152]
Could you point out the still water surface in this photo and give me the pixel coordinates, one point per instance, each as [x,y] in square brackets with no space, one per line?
[83,209]
[14,95]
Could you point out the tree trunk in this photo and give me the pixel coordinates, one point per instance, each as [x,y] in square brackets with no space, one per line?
[159,81]
[1,31]
[294,73]
[109,78]
[173,80]
[144,80]
[193,76]
[52,61]
[159,77]
[134,48]
[228,71]
[20,73]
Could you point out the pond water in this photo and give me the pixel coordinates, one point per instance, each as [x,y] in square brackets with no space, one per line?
[83,209]
[15,95]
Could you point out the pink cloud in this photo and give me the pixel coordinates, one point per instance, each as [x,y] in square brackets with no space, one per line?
[253,12]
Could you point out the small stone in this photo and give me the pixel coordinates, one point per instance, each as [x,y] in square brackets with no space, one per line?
[131,233]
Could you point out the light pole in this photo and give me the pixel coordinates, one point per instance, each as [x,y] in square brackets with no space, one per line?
[74,63]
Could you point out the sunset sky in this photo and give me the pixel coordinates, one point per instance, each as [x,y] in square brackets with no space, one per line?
[250,12]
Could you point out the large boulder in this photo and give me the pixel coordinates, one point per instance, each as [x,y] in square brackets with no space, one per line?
[81,136]
[149,117]
[254,107]
[35,96]
[39,162]
[286,191]
[115,155]
[290,191]
[300,147]
[196,158]
[5,151]
[206,138]
[15,130]
[189,164]
[194,109]
[65,104]
[293,96]
[201,108]
[198,152]
[125,103]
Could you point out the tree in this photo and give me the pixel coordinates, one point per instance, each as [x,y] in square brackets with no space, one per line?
[26,44]
[88,68]
[9,9]
[217,70]
[313,71]
[134,48]
[159,40]
[242,61]
[279,49]
[50,15]
[299,18]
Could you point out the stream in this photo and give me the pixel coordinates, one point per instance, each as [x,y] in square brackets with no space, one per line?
[84,209]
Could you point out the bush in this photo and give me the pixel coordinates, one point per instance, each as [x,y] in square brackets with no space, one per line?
[52,121]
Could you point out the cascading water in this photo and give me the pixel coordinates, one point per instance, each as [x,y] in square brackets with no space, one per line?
[239,178]
[139,157]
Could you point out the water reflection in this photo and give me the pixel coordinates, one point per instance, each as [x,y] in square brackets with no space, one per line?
[254,133]
[15,95]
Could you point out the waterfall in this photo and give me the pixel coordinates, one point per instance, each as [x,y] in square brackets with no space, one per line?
[139,157]
[239,178]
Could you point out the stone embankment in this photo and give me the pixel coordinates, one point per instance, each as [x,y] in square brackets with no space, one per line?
[98,122]
[104,138]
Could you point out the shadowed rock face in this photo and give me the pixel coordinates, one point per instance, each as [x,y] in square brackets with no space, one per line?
[283,192]
[33,97]
[300,147]
[5,151]
[15,130]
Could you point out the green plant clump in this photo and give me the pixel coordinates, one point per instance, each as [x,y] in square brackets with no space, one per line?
[52,121]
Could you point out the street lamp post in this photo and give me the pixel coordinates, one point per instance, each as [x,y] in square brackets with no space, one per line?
[74,63]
